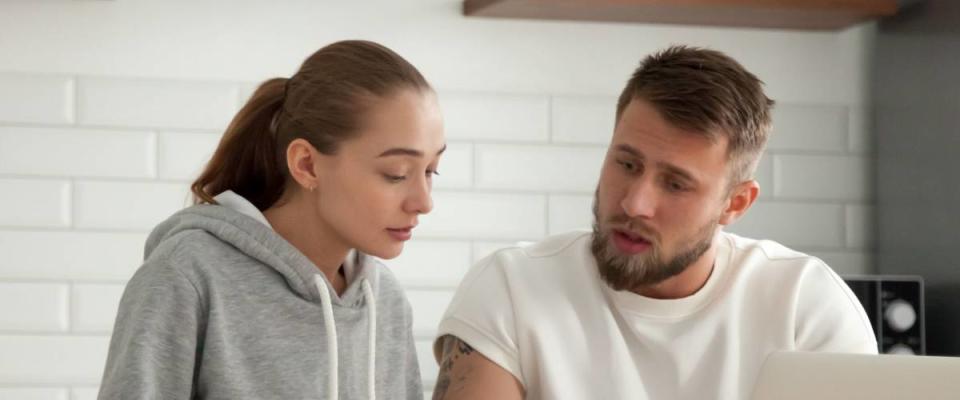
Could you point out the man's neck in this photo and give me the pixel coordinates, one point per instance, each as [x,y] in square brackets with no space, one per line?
[686,283]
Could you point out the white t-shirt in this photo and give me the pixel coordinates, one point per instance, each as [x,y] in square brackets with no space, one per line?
[544,314]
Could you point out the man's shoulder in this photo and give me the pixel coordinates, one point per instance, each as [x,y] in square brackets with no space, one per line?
[770,261]
[551,252]
[559,244]
[550,262]
[766,251]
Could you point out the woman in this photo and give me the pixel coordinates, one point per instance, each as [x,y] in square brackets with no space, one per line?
[266,288]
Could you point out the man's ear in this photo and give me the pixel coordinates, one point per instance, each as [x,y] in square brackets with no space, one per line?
[739,201]
[302,161]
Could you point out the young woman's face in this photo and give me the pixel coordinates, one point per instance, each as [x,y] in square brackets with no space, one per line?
[374,188]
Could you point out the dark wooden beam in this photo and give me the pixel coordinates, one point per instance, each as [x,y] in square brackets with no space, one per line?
[783,14]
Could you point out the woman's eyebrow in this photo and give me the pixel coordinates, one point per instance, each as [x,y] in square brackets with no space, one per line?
[401,151]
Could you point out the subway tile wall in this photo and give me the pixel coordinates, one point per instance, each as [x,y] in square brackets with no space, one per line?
[89,164]
[80,196]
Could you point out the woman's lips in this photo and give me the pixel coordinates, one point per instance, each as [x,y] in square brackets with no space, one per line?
[401,234]
[628,243]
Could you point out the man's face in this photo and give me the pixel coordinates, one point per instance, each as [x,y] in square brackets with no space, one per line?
[661,197]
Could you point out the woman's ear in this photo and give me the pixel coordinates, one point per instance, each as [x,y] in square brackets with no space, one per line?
[302,161]
[741,197]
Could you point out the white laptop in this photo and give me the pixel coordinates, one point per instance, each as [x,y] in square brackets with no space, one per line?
[832,376]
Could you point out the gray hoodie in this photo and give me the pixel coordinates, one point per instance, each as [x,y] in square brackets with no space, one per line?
[224,308]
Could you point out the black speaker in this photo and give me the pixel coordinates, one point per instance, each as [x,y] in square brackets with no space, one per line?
[895,307]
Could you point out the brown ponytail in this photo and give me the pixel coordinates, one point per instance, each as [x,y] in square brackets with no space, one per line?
[246,159]
[324,103]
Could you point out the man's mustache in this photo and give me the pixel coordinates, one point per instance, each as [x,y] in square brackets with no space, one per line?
[637,227]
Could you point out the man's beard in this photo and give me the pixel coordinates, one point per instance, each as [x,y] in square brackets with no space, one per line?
[632,272]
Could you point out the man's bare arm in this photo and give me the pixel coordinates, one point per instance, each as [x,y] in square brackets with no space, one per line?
[465,374]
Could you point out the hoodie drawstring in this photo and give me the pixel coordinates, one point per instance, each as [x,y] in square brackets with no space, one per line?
[333,391]
[372,337]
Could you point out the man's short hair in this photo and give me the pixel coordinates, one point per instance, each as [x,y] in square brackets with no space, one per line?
[706,91]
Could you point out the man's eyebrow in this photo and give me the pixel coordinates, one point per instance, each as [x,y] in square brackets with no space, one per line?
[673,169]
[627,149]
[401,151]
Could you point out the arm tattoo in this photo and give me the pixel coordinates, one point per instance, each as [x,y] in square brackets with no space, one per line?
[464,347]
[453,350]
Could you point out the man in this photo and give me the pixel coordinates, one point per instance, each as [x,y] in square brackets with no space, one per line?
[657,302]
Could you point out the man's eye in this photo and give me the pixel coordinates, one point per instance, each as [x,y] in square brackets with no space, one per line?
[627,165]
[676,186]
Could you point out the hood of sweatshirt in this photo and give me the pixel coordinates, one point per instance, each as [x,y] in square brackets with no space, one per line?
[221,287]
[259,241]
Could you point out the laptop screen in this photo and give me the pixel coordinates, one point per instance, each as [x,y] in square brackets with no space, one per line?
[833,376]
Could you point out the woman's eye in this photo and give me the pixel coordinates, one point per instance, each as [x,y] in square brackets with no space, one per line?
[394,178]
[432,172]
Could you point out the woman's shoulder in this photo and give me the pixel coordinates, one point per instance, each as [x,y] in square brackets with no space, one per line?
[188,246]
[191,253]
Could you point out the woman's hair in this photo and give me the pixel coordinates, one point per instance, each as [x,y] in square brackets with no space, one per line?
[323,103]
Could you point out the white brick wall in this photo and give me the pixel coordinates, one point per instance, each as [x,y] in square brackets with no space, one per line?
[126,205]
[470,215]
[429,306]
[182,156]
[822,177]
[36,98]
[432,263]
[35,203]
[429,370]
[29,151]
[456,167]
[859,219]
[79,255]
[52,359]
[84,393]
[794,224]
[100,134]
[570,212]
[94,307]
[33,394]
[484,116]
[580,119]
[34,307]
[809,127]
[156,103]
[539,168]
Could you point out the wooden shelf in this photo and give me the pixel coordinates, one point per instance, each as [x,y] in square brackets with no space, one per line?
[782,14]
